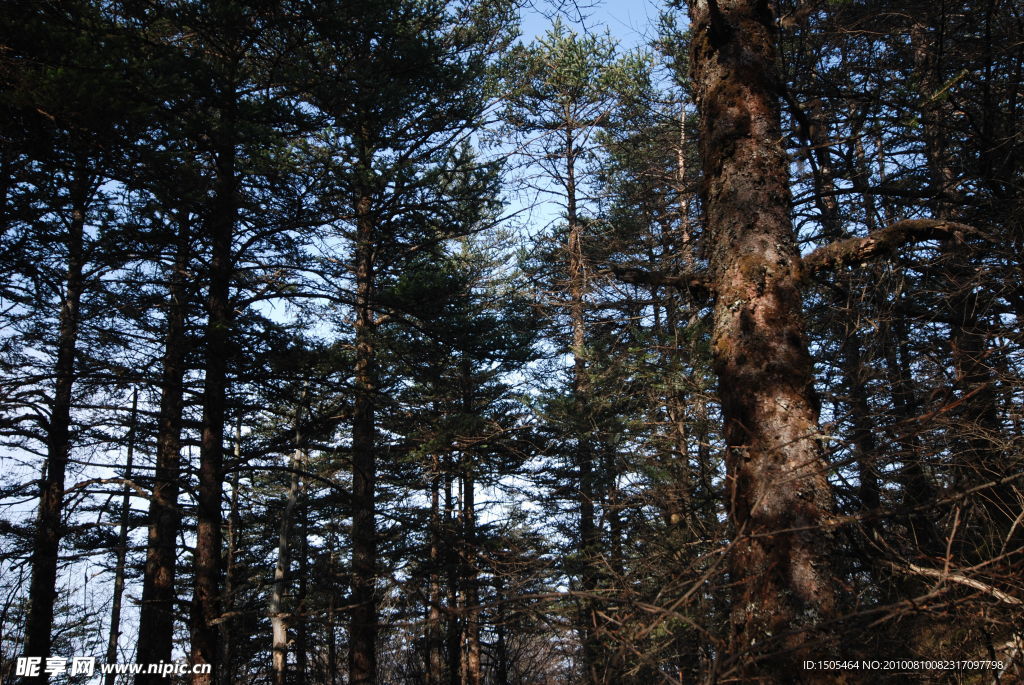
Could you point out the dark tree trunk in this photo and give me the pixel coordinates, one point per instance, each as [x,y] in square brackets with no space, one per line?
[228,636]
[471,673]
[207,559]
[453,631]
[362,656]
[864,441]
[779,499]
[156,613]
[49,524]
[979,443]
[435,635]
[918,490]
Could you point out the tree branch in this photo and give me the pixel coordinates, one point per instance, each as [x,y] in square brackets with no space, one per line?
[695,284]
[884,242]
[959,579]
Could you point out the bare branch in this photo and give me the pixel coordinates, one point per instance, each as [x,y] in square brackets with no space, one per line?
[960,579]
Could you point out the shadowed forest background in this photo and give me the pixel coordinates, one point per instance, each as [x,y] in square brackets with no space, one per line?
[374,342]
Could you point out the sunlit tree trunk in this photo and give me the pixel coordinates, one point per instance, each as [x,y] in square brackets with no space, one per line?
[779,498]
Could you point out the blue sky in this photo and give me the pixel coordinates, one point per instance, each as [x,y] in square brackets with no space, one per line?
[631,22]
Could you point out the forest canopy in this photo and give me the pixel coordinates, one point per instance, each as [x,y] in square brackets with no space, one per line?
[384,342]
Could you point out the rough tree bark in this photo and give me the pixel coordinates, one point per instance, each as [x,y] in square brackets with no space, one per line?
[779,497]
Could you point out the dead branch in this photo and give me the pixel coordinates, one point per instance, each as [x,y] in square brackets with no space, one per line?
[914,569]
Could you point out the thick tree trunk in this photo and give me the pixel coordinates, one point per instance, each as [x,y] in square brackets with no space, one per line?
[49,524]
[156,613]
[122,544]
[779,498]
[362,656]
[207,558]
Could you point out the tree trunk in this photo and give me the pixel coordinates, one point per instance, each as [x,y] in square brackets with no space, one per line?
[577,286]
[207,557]
[122,545]
[471,673]
[362,659]
[278,617]
[228,637]
[49,524]
[434,637]
[979,442]
[156,612]
[780,501]
[453,632]
[302,629]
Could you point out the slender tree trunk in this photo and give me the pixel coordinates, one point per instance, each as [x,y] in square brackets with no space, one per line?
[978,415]
[302,629]
[207,558]
[362,658]
[863,431]
[435,650]
[501,657]
[228,637]
[49,526]
[577,285]
[918,489]
[470,556]
[779,499]
[278,617]
[122,544]
[332,645]
[471,664]
[156,613]
[454,628]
